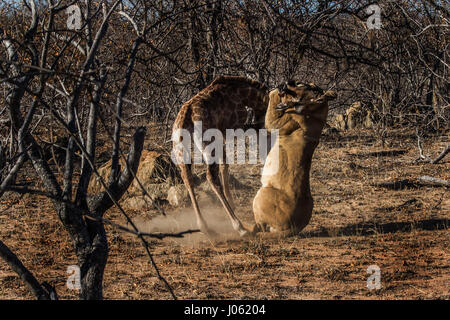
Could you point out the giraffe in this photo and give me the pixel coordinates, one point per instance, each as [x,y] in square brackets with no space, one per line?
[284,204]
[221,105]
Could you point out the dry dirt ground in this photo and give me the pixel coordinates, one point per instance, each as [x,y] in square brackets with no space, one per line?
[354,225]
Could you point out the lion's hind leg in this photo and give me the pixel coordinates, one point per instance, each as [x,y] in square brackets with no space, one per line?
[272,209]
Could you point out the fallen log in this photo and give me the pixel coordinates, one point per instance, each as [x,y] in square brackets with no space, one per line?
[427,180]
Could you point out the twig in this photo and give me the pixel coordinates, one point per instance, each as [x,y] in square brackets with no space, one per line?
[17,266]
[421,157]
[442,155]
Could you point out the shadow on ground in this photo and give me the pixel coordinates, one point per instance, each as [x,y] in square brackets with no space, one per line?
[370,228]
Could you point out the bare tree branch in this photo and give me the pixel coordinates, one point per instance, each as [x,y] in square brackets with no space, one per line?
[27,277]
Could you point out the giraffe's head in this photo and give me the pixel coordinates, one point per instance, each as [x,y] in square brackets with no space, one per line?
[303,98]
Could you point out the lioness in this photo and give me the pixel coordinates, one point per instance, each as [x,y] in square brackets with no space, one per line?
[284,202]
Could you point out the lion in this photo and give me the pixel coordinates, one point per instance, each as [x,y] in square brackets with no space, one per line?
[284,203]
[357,115]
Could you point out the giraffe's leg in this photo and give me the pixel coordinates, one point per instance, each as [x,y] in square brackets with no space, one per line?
[212,174]
[224,179]
[186,175]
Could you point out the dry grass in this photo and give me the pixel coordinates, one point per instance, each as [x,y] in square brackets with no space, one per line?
[354,225]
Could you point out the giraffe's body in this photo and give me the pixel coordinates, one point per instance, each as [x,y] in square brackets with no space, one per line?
[222,105]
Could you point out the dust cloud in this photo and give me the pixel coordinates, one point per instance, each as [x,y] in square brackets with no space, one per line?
[182,219]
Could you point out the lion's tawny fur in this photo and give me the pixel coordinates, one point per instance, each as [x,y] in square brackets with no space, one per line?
[284,202]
